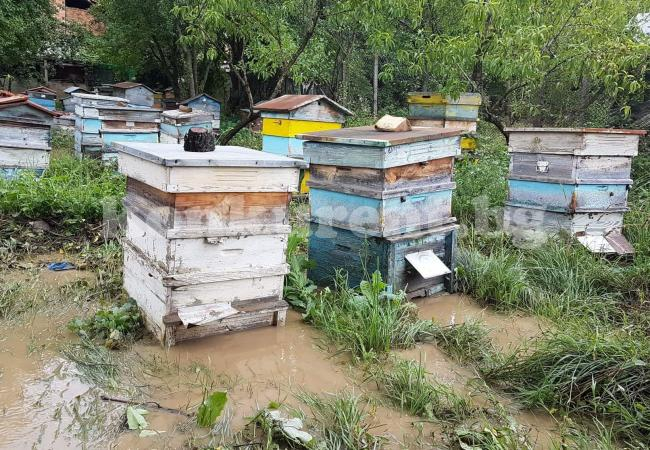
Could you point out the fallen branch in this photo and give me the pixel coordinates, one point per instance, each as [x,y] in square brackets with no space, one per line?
[154,405]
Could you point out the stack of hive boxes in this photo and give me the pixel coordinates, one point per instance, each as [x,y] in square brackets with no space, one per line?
[100,121]
[25,131]
[285,117]
[176,123]
[382,200]
[205,247]
[573,180]
[204,102]
[431,109]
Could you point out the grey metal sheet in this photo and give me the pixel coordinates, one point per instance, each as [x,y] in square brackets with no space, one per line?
[173,155]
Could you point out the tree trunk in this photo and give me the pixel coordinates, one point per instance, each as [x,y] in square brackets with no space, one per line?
[375,87]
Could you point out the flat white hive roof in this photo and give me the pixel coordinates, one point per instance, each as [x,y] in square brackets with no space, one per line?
[173,155]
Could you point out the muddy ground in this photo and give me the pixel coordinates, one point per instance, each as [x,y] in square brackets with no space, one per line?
[48,402]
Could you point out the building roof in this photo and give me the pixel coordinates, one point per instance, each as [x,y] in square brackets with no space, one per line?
[289,102]
[9,99]
[130,85]
[41,89]
[203,94]
[72,89]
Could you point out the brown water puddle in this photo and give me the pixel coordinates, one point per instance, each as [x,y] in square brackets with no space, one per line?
[256,367]
[507,331]
[44,405]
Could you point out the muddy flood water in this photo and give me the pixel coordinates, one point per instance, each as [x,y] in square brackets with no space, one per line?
[47,403]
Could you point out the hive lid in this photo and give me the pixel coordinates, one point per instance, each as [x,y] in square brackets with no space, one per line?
[576,130]
[369,137]
[427,264]
[173,155]
[177,114]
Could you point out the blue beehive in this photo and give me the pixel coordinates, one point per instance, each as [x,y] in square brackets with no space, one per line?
[204,102]
[42,96]
[382,201]
[573,180]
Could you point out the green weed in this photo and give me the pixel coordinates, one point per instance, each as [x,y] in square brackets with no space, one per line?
[342,421]
[96,364]
[112,326]
[407,385]
[71,196]
[368,321]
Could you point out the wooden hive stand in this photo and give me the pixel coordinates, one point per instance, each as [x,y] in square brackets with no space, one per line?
[205,246]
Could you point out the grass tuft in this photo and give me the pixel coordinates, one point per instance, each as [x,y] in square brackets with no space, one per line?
[368,321]
[342,421]
[467,342]
[406,384]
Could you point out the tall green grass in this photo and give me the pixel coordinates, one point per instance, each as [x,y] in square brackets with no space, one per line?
[71,195]
[599,373]
[368,321]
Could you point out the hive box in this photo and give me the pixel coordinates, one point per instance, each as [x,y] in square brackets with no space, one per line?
[570,179]
[331,248]
[175,124]
[206,103]
[436,106]
[100,121]
[206,237]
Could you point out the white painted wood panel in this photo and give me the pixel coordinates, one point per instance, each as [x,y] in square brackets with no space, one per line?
[22,157]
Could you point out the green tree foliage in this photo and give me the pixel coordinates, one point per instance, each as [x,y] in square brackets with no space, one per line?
[24,33]
[144,35]
[529,57]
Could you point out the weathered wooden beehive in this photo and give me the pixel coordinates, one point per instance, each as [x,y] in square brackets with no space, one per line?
[136,93]
[25,130]
[42,96]
[68,100]
[289,115]
[431,109]
[573,180]
[205,247]
[382,200]
[206,103]
[101,121]
[175,124]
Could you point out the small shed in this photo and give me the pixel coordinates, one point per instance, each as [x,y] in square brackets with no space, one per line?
[68,100]
[286,116]
[135,93]
[25,132]
[204,102]
[43,96]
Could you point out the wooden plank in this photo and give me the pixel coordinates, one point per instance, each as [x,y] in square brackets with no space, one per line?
[378,181]
[170,155]
[24,158]
[360,255]
[291,127]
[379,157]
[283,146]
[370,137]
[192,254]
